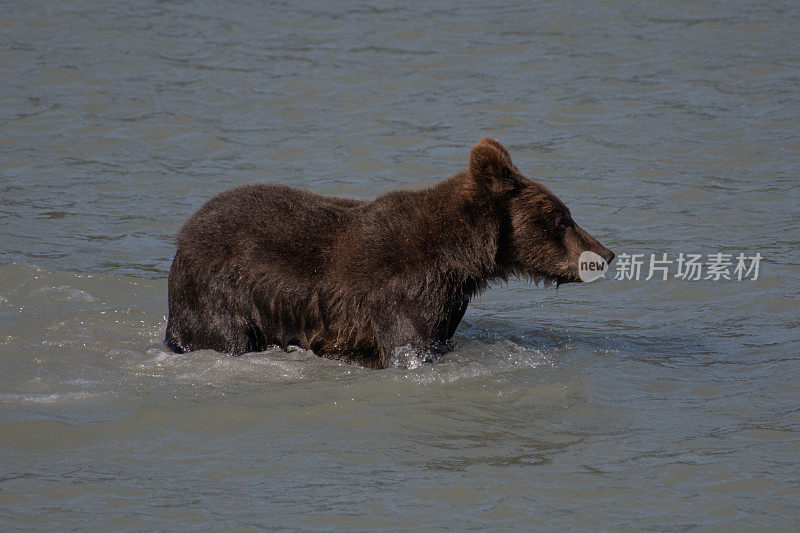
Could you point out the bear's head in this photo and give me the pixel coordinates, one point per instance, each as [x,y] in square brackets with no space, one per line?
[538,237]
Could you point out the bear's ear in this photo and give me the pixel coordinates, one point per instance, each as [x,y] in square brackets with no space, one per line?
[490,166]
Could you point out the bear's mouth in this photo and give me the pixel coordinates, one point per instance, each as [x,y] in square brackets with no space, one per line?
[548,280]
[560,280]
[545,280]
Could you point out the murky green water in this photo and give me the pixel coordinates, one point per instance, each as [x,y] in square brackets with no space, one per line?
[667,128]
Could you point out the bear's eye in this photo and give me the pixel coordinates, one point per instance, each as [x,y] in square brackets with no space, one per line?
[564,221]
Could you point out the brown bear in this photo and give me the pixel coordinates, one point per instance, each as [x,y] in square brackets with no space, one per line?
[264,265]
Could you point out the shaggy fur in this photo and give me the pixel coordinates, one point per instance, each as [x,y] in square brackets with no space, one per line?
[267,264]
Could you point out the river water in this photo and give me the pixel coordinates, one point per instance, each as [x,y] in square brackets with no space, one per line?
[667,128]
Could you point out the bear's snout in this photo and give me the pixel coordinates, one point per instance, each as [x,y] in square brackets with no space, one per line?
[590,244]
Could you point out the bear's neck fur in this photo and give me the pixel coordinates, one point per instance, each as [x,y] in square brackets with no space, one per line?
[447,236]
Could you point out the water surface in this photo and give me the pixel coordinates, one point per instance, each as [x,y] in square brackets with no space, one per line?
[616,405]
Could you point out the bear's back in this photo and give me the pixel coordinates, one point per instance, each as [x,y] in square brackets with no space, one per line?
[260,224]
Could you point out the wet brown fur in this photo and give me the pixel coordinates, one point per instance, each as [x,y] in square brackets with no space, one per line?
[261,265]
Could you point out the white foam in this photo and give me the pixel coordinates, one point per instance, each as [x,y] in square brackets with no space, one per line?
[48,398]
[70,293]
[252,367]
[485,355]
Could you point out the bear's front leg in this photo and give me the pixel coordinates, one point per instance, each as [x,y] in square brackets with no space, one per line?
[404,328]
